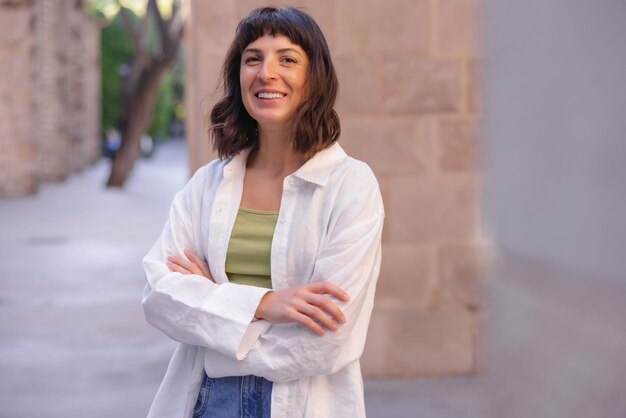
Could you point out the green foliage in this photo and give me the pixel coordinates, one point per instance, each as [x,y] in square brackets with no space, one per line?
[178,85]
[171,98]
[109,8]
[116,50]
[163,109]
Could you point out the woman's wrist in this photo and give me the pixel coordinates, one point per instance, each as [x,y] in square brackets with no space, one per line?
[258,314]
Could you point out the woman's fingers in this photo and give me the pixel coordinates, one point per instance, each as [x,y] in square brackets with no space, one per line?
[193,265]
[184,263]
[202,265]
[308,304]
[318,315]
[318,297]
[324,303]
[177,268]
[193,257]
[309,323]
[329,288]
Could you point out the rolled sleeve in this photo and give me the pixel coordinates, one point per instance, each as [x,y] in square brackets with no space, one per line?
[191,308]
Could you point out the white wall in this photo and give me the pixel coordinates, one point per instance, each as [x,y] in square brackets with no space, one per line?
[555,131]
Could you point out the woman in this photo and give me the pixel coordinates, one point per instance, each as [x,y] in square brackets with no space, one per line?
[283,208]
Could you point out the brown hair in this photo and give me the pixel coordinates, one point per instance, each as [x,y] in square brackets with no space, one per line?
[315,124]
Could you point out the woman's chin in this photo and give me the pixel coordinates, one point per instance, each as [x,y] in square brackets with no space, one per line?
[272,122]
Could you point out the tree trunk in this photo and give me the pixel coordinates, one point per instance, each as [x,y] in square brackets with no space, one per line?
[125,158]
[136,116]
[141,93]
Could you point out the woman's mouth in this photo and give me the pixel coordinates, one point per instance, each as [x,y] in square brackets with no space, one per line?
[270,95]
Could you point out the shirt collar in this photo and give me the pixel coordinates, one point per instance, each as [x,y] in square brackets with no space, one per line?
[315,170]
[237,163]
[318,168]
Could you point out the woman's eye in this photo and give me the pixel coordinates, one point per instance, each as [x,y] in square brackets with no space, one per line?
[249,60]
[289,60]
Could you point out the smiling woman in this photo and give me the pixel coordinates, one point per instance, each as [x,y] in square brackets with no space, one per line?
[266,269]
[273,80]
[314,125]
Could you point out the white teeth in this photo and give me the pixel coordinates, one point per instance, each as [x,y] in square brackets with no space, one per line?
[265,95]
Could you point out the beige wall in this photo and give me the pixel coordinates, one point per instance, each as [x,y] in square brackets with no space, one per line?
[409,105]
[50,94]
[17,169]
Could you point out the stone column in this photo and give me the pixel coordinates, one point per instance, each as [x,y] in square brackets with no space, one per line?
[50,116]
[408,104]
[209,30]
[74,69]
[91,92]
[17,159]
[83,87]
[409,108]
[50,92]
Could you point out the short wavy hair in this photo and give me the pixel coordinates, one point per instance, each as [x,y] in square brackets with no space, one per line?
[315,124]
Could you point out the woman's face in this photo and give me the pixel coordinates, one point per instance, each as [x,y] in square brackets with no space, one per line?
[273,77]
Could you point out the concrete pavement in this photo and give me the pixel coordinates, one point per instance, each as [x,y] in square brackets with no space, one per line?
[73,341]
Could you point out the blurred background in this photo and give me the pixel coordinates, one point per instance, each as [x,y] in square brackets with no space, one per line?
[495,129]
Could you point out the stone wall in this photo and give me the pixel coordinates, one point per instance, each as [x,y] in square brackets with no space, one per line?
[17,158]
[50,101]
[409,107]
[85,90]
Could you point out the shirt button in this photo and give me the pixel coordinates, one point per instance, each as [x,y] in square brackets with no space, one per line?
[279,399]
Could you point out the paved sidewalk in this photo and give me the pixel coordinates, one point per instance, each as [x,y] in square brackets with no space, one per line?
[73,341]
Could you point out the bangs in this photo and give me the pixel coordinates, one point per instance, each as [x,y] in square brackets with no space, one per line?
[267,20]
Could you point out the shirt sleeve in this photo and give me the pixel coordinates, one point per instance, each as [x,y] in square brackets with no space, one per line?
[351,260]
[191,308]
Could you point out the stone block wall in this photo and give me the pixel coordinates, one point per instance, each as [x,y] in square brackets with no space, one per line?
[51,97]
[409,106]
[50,101]
[84,89]
[17,158]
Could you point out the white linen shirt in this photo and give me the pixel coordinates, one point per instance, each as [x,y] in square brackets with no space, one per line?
[329,228]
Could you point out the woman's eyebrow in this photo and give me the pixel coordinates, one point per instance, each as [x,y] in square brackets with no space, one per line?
[282,50]
[289,50]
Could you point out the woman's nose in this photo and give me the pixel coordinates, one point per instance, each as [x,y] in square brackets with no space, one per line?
[268,70]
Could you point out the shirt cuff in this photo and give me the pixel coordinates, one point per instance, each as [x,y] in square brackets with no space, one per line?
[233,307]
[253,332]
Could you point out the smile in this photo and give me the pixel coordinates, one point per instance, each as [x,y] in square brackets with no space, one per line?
[270,96]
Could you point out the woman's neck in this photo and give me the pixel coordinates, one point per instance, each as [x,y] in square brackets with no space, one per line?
[275,154]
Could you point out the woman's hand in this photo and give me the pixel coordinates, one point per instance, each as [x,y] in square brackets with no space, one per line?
[192,265]
[307,304]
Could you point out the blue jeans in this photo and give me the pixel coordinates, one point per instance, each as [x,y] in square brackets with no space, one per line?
[234,397]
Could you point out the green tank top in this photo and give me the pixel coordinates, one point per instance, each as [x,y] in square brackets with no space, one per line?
[249,249]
